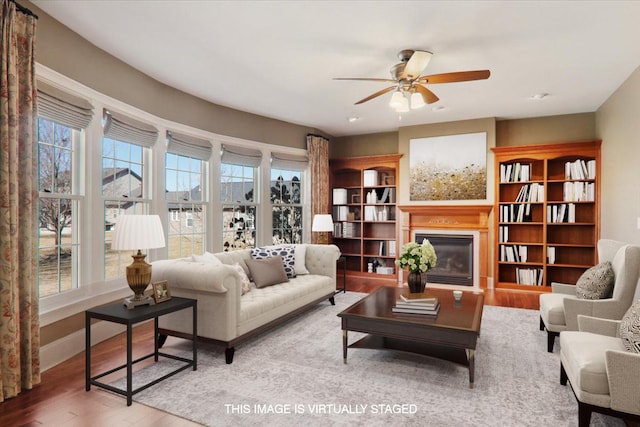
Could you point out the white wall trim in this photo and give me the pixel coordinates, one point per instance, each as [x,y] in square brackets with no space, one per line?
[65,348]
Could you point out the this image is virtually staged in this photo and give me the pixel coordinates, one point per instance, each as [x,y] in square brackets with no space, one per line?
[322,213]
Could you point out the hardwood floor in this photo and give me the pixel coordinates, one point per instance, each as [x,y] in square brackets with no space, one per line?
[61,400]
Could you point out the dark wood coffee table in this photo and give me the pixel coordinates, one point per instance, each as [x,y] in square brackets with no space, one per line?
[451,335]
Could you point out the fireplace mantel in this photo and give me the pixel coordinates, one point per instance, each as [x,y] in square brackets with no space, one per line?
[450,217]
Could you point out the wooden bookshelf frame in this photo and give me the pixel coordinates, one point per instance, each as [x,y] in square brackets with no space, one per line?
[574,242]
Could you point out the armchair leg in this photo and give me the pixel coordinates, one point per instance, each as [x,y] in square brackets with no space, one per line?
[541,324]
[228,355]
[551,338]
[563,375]
[584,415]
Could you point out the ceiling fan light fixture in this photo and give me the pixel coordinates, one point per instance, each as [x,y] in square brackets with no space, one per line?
[403,107]
[417,101]
[396,99]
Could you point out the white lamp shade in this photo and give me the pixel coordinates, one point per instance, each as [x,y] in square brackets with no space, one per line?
[417,101]
[134,232]
[322,223]
[403,107]
[396,99]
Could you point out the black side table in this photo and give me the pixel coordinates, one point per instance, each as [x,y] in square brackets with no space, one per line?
[118,313]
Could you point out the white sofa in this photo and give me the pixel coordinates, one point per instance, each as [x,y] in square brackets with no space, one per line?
[228,318]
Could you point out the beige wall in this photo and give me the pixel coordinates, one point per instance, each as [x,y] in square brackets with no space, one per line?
[66,52]
[618,125]
[364,145]
[543,130]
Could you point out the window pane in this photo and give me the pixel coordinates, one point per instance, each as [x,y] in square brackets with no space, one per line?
[286,208]
[171,161]
[115,262]
[57,240]
[45,153]
[45,131]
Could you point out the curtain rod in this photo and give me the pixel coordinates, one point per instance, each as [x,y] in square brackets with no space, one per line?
[24,9]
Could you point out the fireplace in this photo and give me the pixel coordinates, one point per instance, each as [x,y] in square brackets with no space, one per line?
[452,220]
[455,258]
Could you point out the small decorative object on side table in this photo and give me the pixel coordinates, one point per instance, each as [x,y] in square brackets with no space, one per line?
[418,258]
[161,291]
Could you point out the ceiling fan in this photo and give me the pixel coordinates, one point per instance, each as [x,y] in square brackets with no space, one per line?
[408,81]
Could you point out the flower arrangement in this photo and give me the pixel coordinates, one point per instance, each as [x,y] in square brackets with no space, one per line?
[418,258]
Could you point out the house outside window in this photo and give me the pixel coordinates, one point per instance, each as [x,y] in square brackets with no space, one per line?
[122,191]
[59,207]
[184,183]
[126,151]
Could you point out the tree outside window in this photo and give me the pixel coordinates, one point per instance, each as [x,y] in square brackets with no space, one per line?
[239,206]
[58,208]
[286,206]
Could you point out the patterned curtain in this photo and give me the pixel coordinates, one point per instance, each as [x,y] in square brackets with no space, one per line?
[19,321]
[318,148]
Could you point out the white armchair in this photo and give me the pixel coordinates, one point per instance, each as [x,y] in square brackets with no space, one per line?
[602,373]
[559,309]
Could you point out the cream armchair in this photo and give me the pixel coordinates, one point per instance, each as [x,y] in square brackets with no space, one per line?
[602,373]
[559,309]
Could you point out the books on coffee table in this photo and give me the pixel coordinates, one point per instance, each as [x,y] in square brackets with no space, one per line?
[415,309]
[422,298]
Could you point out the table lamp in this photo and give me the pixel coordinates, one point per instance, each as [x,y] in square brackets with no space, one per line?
[322,223]
[136,232]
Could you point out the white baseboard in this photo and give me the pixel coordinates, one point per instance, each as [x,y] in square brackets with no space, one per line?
[70,345]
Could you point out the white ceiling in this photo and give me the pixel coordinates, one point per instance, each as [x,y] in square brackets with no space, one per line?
[278,58]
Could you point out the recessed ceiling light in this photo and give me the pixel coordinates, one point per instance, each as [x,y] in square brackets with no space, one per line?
[353,119]
[539,96]
[438,108]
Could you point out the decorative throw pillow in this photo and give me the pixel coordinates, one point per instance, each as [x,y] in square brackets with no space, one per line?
[300,257]
[629,328]
[244,279]
[207,257]
[596,282]
[287,253]
[267,271]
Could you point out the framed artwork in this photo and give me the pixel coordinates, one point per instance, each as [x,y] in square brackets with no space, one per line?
[452,167]
[161,291]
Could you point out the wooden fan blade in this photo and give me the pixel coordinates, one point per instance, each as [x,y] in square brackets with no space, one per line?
[363,79]
[460,76]
[416,65]
[428,96]
[378,93]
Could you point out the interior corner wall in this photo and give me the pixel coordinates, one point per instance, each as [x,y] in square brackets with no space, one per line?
[66,52]
[373,144]
[618,125]
[545,130]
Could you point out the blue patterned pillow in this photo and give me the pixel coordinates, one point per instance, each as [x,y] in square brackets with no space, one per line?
[287,253]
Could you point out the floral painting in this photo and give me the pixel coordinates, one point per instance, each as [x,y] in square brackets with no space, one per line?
[452,167]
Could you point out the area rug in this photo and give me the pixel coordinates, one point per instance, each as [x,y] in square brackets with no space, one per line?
[295,375]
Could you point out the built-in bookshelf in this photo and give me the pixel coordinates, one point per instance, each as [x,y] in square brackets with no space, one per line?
[363,199]
[547,213]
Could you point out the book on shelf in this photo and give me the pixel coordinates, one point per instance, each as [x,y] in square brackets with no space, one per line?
[391,248]
[416,310]
[419,297]
[580,169]
[551,254]
[515,172]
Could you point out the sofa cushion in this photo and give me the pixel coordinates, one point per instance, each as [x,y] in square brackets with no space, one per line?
[300,261]
[244,279]
[267,271]
[586,354]
[286,253]
[596,282]
[206,257]
[232,257]
[629,329]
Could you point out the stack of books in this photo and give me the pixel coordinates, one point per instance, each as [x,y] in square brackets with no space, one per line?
[417,304]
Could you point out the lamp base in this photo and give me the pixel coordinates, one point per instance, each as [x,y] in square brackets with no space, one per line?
[133,302]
